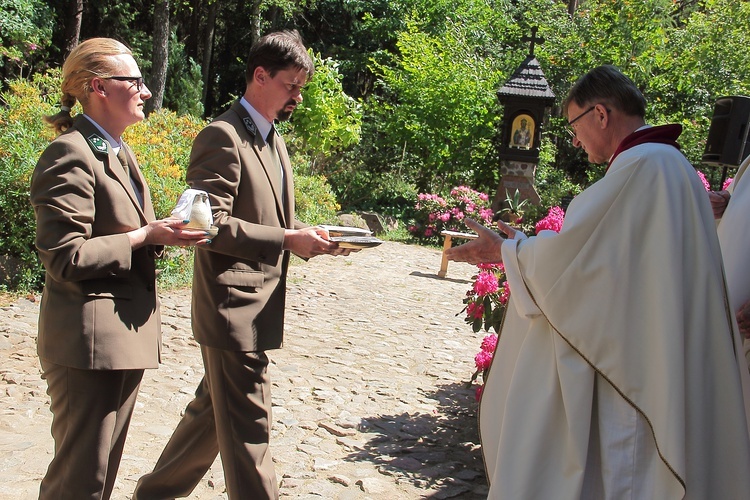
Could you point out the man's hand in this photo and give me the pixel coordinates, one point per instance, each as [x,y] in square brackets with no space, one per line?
[743,319]
[485,249]
[719,201]
[312,241]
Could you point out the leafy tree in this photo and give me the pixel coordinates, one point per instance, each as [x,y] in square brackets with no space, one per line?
[25,30]
[439,107]
[184,82]
[705,59]
[328,121]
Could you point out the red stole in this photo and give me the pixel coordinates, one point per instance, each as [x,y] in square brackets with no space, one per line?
[663,134]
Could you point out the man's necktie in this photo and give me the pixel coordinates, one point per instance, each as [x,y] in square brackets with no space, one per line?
[126,166]
[124,160]
[271,140]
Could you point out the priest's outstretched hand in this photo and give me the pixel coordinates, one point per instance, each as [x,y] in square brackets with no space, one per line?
[486,248]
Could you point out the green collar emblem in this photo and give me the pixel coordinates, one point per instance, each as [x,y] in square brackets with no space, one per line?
[250,125]
[98,144]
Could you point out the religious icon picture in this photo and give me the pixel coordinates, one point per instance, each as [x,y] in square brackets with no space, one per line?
[523,131]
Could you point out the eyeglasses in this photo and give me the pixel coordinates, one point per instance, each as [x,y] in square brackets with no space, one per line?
[569,129]
[137,80]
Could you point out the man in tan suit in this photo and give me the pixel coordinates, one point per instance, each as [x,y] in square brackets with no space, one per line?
[239,286]
[97,238]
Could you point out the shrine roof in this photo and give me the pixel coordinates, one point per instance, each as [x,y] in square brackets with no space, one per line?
[527,81]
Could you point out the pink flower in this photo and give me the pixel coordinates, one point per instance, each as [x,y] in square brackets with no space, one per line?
[483,360]
[445,216]
[429,232]
[495,265]
[505,294]
[486,283]
[489,343]
[484,197]
[552,221]
[475,310]
[727,183]
[703,180]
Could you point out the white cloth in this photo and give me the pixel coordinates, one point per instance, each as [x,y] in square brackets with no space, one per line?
[194,207]
[630,293]
[734,237]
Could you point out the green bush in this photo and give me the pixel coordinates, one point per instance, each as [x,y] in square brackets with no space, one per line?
[161,143]
[23,136]
[327,121]
[315,203]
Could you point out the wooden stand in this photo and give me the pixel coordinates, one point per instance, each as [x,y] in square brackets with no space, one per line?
[449,235]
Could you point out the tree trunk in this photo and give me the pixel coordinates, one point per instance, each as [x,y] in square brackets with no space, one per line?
[160,56]
[572,6]
[208,46]
[73,15]
[255,21]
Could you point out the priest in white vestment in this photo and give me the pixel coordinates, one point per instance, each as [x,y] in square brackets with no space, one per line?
[732,208]
[617,369]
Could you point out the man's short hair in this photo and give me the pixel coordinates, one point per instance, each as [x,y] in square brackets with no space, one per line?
[279,51]
[608,86]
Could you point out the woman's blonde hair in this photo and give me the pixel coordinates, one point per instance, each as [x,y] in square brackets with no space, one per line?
[90,59]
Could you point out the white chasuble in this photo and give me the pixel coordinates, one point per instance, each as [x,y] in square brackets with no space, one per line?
[617,342]
[734,237]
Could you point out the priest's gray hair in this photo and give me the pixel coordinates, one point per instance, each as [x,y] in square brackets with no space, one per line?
[609,86]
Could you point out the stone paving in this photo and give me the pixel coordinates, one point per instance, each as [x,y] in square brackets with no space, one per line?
[370,390]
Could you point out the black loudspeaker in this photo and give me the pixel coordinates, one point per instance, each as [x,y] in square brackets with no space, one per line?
[727,144]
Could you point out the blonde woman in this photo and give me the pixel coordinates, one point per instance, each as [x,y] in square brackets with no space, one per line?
[97,238]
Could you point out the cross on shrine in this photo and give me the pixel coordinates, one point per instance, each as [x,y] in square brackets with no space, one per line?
[533,39]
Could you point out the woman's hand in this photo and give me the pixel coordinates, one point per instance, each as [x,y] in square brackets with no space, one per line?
[168,232]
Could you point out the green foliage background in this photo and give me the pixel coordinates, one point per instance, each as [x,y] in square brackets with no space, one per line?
[162,145]
[404,98]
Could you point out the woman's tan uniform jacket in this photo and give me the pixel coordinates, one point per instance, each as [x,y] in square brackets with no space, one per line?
[99,307]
